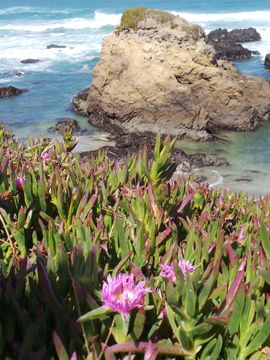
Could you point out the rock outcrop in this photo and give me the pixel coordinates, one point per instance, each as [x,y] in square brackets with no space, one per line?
[157,73]
[236,35]
[79,102]
[8,91]
[267,61]
[226,43]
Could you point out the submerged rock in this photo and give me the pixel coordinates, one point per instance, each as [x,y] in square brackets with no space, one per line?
[8,91]
[30,61]
[64,125]
[160,75]
[55,46]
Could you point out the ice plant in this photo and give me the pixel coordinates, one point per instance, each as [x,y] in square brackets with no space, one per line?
[185,267]
[44,156]
[169,272]
[121,293]
[20,180]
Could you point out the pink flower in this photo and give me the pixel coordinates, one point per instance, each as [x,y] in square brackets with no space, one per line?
[20,180]
[168,270]
[185,267]
[44,156]
[122,294]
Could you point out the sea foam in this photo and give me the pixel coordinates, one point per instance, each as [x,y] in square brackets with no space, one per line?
[256,17]
[29,9]
[100,20]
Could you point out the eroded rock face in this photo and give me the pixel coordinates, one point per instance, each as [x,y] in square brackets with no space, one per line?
[163,76]
[8,91]
[79,102]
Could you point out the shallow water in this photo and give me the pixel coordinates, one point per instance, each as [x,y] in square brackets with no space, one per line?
[247,154]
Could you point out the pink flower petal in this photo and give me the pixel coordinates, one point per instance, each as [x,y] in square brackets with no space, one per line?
[122,294]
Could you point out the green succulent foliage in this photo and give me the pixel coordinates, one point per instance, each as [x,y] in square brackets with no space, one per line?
[72,223]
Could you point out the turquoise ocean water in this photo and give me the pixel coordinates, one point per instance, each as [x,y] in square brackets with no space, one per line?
[28,27]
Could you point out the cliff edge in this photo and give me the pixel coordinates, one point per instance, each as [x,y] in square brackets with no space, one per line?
[157,73]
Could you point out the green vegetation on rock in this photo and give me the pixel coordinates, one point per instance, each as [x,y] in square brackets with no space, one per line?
[194,31]
[131,18]
[194,262]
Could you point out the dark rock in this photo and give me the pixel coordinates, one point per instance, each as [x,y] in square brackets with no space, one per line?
[267,61]
[30,61]
[64,125]
[200,178]
[226,43]
[202,160]
[55,46]
[243,180]
[8,91]
[79,102]
[130,143]
[236,35]
[245,35]
[227,50]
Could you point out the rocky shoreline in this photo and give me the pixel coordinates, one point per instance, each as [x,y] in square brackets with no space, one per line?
[169,77]
[130,143]
[163,75]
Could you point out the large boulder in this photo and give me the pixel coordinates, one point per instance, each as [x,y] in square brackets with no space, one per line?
[8,91]
[157,73]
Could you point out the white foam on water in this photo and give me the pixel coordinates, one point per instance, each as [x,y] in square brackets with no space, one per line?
[218,181]
[30,9]
[78,47]
[2,81]
[100,20]
[262,46]
[257,17]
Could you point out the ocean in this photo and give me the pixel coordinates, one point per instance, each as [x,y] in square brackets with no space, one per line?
[28,27]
